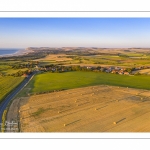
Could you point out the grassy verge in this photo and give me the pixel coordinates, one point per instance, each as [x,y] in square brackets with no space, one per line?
[3,121]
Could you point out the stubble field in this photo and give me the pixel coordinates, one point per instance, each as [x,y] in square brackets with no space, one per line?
[91,109]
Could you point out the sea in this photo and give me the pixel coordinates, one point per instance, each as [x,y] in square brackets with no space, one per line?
[9,51]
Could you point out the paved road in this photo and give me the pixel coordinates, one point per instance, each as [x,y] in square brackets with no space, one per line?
[5,102]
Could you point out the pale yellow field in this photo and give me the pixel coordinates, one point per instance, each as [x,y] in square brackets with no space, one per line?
[93,65]
[90,109]
[143,71]
[55,57]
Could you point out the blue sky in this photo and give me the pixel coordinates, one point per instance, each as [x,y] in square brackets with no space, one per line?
[66,32]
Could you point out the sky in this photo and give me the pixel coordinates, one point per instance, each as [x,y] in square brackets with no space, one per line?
[75,32]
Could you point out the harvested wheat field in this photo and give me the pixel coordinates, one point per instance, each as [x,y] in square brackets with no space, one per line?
[90,109]
[55,57]
[143,71]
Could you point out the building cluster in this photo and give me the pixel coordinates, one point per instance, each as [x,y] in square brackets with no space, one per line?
[117,70]
[56,68]
[110,69]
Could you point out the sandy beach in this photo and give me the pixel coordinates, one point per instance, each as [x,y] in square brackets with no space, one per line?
[18,53]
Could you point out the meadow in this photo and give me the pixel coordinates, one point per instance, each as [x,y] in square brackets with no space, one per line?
[7,84]
[57,81]
[127,59]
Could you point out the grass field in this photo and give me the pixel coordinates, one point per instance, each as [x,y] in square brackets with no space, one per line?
[6,67]
[11,71]
[128,61]
[89,109]
[69,80]
[7,84]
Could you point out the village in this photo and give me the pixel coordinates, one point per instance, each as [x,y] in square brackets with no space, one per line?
[110,69]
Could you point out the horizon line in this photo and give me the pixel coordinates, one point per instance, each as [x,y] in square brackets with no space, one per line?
[74,47]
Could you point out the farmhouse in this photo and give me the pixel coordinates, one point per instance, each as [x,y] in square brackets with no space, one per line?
[89,67]
[126,73]
[25,75]
[113,71]
[117,68]
[120,72]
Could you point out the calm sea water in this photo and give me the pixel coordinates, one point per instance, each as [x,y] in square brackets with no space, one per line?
[8,51]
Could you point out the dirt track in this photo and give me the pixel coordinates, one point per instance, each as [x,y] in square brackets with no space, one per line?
[90,109]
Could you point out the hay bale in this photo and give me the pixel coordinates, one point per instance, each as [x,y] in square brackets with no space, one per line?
[64,125]
[58,112]
[141,98]
[114,122]
[95,108]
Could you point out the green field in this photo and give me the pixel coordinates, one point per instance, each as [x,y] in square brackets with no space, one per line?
[128,60]
[7,84]
[11,71]
[56,81]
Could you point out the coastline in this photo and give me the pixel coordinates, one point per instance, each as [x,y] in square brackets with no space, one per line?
[18,53]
